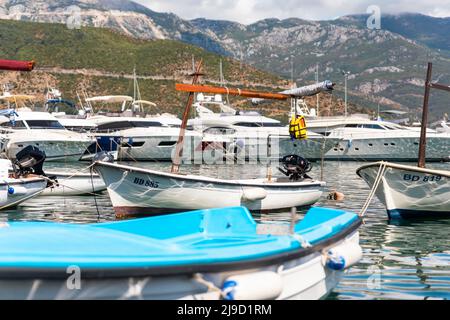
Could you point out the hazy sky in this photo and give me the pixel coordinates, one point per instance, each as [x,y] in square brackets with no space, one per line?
[248,11]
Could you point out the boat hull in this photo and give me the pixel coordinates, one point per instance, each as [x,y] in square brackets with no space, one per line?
[139,259]
[24,189]
[138,191]
[74,184]
[409,191]
[54,150]
[398,149]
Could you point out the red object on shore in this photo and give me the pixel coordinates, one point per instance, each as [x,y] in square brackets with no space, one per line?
[15,65]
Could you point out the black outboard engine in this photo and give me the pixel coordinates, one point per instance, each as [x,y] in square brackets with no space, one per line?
[30,160]
[295,167]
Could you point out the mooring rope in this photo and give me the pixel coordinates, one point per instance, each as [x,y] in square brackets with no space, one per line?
[375,186]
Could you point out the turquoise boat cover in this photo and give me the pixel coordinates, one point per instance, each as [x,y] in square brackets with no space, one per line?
[199,237]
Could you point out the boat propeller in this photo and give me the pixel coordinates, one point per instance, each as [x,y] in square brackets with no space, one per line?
[295,167]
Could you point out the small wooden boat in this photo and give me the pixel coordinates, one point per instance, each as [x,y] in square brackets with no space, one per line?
[409,191]
[135,191]
[74,184]
[208,254]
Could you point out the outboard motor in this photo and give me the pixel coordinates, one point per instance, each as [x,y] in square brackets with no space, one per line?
[295,167]
[30,160]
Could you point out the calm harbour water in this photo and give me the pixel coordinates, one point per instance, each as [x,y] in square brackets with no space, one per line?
[402,260]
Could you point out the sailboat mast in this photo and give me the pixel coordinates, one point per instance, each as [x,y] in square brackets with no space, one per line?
[180,144]
[423,135]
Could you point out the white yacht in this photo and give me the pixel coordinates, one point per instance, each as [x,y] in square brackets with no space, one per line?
[44,131]
[249,134]
[140,139]
[363,139]
[369,140]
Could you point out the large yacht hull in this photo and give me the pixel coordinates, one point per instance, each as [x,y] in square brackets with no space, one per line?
[60,146]
[398,149]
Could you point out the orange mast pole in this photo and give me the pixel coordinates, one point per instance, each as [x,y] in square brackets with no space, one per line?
[230,91]
[180,144]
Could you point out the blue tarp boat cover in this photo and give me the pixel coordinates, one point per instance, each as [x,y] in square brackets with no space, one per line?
[199,237]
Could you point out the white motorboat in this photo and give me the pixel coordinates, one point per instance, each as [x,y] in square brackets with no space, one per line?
[150,138]
[141,139]
[409,191]
[44,131]
[135,191]
[249,135]
[15,190]
[367,140]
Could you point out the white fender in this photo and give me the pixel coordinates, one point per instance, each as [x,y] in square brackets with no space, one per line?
[264,285]
[344,256]
[17,191]
[254,194]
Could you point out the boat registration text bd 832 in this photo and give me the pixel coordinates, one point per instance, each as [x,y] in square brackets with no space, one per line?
[225,310]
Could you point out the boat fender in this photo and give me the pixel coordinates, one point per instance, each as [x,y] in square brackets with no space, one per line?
[17,191]
[254,194]
[264,285]
[343,256]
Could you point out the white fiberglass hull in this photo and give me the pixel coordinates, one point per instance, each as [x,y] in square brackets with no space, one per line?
[266,147]
[74,184]
[384,148]
[306,278]
[65,146]
[144,144]
[409,191]
[136,191]
[21,190]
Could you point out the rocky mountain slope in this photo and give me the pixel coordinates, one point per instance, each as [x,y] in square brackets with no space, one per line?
[101,62]
[387,66]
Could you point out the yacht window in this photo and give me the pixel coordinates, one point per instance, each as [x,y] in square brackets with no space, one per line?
[44,124]
[351,126]
[220,130]
[16,125]
[248,124]
[373,126]
[271,125]
[258,124]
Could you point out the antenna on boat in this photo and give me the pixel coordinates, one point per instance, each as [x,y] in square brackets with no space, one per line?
[222,79]
[423,136]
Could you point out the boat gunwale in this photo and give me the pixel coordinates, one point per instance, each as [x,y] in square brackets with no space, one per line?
[180,270]
[243,183]
[403,167]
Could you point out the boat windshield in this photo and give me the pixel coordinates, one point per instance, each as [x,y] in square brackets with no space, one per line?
[123,125]
[45,124]
[14,125]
